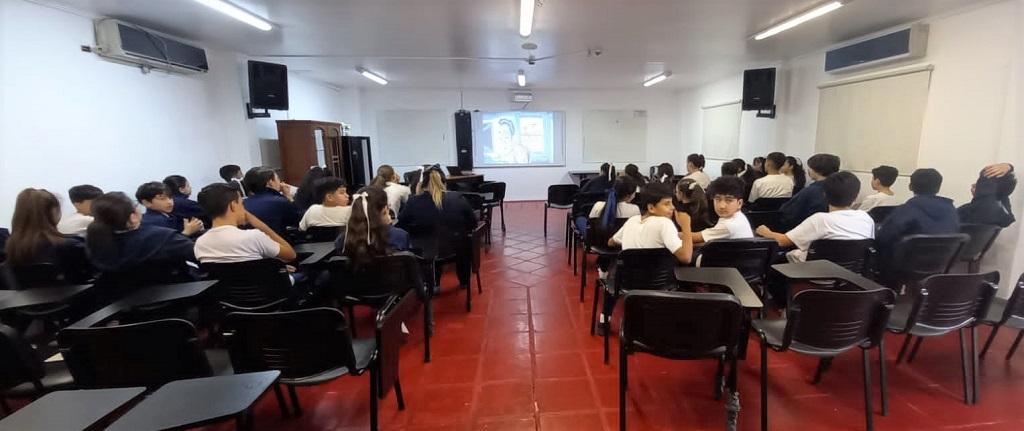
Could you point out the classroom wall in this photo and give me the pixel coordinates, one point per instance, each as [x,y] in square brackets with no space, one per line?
[971,119]
[531,183]
[69,117]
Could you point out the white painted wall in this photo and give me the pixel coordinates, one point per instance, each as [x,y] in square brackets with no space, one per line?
[68,117]
[531,183]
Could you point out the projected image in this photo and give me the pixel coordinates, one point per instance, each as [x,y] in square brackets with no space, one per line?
[517,138]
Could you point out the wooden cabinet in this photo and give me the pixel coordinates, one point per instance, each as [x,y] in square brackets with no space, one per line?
[305,144]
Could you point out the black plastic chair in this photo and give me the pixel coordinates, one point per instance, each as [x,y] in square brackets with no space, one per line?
[321,233]
[146,354]
[443,246]
[113,285]
[825,324]
[596,242]
[560,196]
[772,219]
[982,238]
[751,257]
[23,277]
[684,326]
[257,286]
[635,269]
[943,304]
[581,207]
[879,214]
[916,257]
[497,200]
[1006,312]
[767,204]
[309,347]
[852,254]
[23,374]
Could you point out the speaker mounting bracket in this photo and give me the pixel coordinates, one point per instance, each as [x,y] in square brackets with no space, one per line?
[766,113]
[251,114]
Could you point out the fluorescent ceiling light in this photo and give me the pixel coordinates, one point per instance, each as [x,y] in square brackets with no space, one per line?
[521,78]
[236,13]
[657,78]
[799,19]
[372,76]
[526,8]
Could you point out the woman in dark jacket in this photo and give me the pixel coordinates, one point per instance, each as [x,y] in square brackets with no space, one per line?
[991,202]
[35,240]
[116,241]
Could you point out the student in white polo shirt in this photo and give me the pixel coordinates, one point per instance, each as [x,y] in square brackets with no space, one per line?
[225,242]
[727,194]
[775,184]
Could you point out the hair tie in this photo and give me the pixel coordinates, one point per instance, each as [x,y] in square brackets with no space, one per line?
[663,176]
[693,185]
[611,171]
[366,214]
[420,183]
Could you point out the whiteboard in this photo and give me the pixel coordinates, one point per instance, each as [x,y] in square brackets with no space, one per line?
[874,121]
[614,136]
[414,137]
[721,131]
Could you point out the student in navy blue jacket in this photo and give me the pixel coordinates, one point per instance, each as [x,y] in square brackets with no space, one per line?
[180,190]
[991,202]
[925,213]
[160,209]
[270,199]
[36,239]
[811,199]
[117,240]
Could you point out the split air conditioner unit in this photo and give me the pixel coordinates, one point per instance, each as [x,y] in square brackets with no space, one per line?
[124,42]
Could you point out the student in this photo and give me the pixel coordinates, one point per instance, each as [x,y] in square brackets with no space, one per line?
[370,232]
[811,199]
[270,199]
[730,169]
[991,201]
[882,179]
[622,193]
[387,180]
[232,174]
[695,170]
[774,184]
[727,194]
[117,240]
[35,239]
[81,197]
[306,194]
[691,200]
[159,209]
[664,175]
[184,207]
[225,242]
[840,222]
[794,169]
[332,209]
[748,175]
[925,213]
[758,166]
[601,182]
[633,172]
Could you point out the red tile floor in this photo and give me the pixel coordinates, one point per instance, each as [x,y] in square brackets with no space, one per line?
[523,359]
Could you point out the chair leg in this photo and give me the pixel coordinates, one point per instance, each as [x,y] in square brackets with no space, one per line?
[823,365]
[593,308]
[501,206]
[545,220]
[963,367]
[989,340]
[732,404]
[575,255]
[607,329]
[398,394]
[568,230]
[623,386]
[719,378]
[868,410]
[882,382]
[764,386]
[295,400]
[583,274]
[479,284]
[913,352]
[374,369]
[974,365]
[1013,348]
[903,349]
[285,412]
[469,298]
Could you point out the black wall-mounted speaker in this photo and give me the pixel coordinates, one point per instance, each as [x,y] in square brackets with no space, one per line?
[464,139]
[758,89]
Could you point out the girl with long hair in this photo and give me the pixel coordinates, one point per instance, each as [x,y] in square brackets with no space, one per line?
[691,199]
[387,179]
[794,168]
[35,240]
[184,207]
[369,232]
[116,240]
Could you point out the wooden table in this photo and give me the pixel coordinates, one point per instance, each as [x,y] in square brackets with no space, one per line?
[69,410]
[14,299]
[727,277]
[177,292]
[824,270]
[317,252]
[194,402]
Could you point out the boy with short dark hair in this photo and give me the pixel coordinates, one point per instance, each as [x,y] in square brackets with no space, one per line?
[225,242]
[811,199]
[925,213]
[81,197]
[882,179]
[774,184]
[232,174]
[159,205]
[332,208]
[727,195]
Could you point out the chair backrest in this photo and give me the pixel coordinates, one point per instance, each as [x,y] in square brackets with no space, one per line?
[384,276]
[23,277]
[767,204]
[597,235]
[119,283]
[879,214]
[562,194]
[140,354]
[19,362]
[681,325]
[1014,310]
[952,301]
[838,319]
[389,335]
[412,178]
[584,202]
[982,237]
[772,219]
[475,201]
[851,254]
[322,233]
[645,269]
[496,188]
[751,257]
[915,257]
[256,284]
[298,343]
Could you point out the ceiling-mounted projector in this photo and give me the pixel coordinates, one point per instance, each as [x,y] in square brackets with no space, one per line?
[521,97]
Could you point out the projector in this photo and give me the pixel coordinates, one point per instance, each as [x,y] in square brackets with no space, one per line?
[522,97]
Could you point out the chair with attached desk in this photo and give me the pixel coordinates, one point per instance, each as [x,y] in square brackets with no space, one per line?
[879,214]
[751,257]
[982,238]
[256,286]
[772,219]
[581,207]
[560,196]
[1009,313]
[595,242]
[321,233]
[852,254]
[441,247]
[23,374]
[635,269]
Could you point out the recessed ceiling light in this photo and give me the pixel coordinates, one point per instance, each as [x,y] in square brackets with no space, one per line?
[372,76]
[521,78]
[236,13]
[657,78]
[526,8]
[799,19]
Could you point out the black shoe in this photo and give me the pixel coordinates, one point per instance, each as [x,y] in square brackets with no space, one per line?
[600,329]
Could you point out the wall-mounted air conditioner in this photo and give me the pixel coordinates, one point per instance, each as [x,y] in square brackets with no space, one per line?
[129,43]
[907,44]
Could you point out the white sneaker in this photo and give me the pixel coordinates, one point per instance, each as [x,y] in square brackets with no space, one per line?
[602,274]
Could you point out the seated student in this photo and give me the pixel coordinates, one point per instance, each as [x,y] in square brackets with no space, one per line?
[758,166]
[160,209]
[117,239]
[925,213]
[306,194]
[840,222]
[81,197]
[691,200]
[882,179]
[727,193]
[623,193]
[270,199]
[794,169]
[748,175]
[811,199]
[370,232]
[633,172]
[232,174]
[387,180]
[34,238]
[664,175]
[225,242]
[184,207]
[991,201]
[775,184]
[695,170]
[601,182]
[331,205]
[730,169]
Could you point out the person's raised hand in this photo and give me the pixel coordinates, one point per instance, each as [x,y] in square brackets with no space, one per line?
[997,170]
[191,226]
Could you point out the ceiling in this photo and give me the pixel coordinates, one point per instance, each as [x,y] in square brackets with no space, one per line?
[412,42]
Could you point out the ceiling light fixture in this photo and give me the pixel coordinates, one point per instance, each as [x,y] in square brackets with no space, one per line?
[236,13]
[657,78]
[372,76]
[799,19]
[526,8]
[521,78]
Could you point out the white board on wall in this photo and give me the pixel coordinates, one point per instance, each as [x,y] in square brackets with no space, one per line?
[414,137]
[874,119]
[614,136]
[721,131]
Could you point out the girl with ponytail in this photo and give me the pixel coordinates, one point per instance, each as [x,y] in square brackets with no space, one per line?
[388,181]
[602,182]
[369,232]
[695,170]
[621,195]
[117,241]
